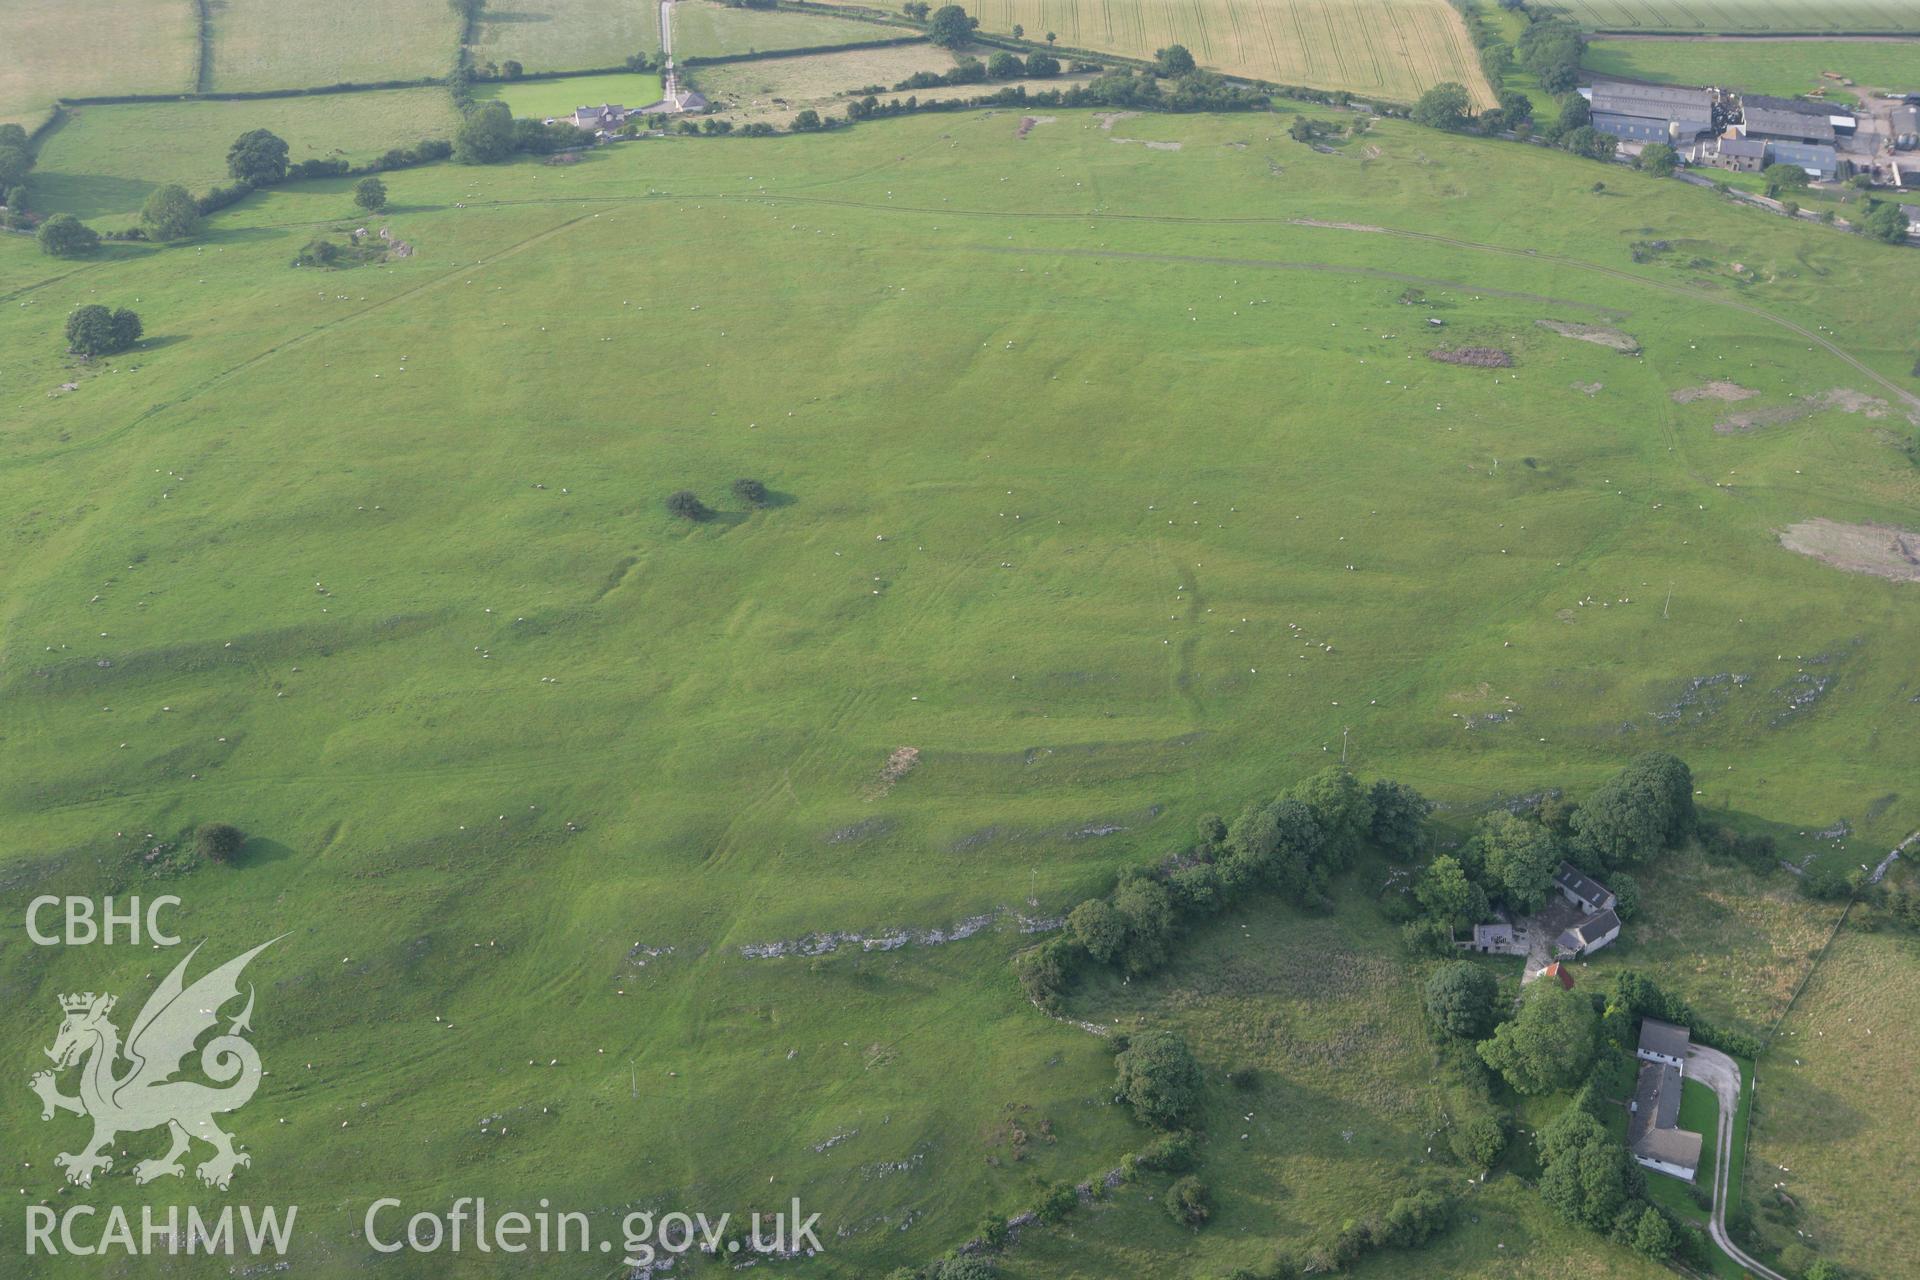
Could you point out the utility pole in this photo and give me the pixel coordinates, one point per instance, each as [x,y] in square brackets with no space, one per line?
[1669,604]
[1343,746]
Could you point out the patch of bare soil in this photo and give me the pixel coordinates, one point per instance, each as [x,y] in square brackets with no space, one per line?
[1599,335]
[1333,226]
[1476,357]
[1151,146]
[1715,390]
[1588,388]
[898,766]
[1879,549]
[1839,398]
[1108,119]
[1027,124]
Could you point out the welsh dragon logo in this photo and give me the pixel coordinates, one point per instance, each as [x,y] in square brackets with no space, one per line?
[143,1093]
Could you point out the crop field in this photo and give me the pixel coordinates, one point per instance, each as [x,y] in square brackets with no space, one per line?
[102,162]
[92,47]
[1742,16]
[819,80]
[374,564]
[541,99]
[1820,1136]
[568,35]
[1392,49]
[272,44]
[1781,67]
[704,29]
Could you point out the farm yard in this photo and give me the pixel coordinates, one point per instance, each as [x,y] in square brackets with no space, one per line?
[1393,49]
[273,44]
[1792,17]
[1784,68]
[562,797]
[568,35]
[103,161]
[83,48]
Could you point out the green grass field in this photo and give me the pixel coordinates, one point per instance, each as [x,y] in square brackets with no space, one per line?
[704,29]
[92,47]
[1065,432]
[540,99]
[1741,16]
[568,35]
[271,44]
[101,162]
[1780,67]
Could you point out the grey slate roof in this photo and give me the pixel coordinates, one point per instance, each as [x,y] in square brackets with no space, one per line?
[1665,1038]
[1651,1130]
[1575,881]
[1771,123]
[1651,99]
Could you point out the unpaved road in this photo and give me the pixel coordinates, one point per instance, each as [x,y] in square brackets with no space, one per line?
[1722,1074]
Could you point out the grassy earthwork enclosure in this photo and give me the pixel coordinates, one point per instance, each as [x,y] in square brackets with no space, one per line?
[1074,428]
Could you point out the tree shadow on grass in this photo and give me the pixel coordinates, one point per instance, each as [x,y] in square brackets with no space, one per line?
[259,851]
[155,343]
[86,195]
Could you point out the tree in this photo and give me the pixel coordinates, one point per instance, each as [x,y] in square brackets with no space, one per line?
[1646,807]
[259,157]
[1659,159]
[1626,895]
[1518,857]
[370,194]
[170,214]
[751,492]
[1444,891]
[65,236]
[1885,220]
[1590,142]
[1019,32]
[1481,1140]
[1303,129]
[13,135]
[1274,844]
[1042,66]
[1550,1045]
[1654,1236]
[1784,177]
[916,9]
[219,841]
[1188,1202]
[1095,925]
[1158,1076]
[950,27]
[90,330]
[1515,107]
[511,70]
[687,505]
[1462,999]
[485,135]
[1575,112]
[1147,908]
[1173,61]
[1051,37]
[1592,1184]
[1444,106]
[1399,817]
[1343,809]
[126,328]
[1006,66]
[806,121]
[14,163]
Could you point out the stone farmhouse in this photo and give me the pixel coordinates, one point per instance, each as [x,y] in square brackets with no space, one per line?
[1654,1135]
[1599,925]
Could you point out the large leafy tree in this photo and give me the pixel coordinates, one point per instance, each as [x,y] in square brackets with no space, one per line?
[1274,844]
[1445,106]
[1344,810]
[170,214]
[1461,999]
[65,236]
[1550,1045]
[485,135]
[1646,807]
[258,156]
[950,27]
[93,330]
[1399,817]
[1518,857]
[1158,1076]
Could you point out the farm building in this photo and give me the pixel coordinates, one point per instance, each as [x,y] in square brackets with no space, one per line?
[1819,161]
[1906,128]
[1785,126]
[1841,122]
[1650,113]
[608,115]
[1589,935]
[1653,1132]
[1560,974]
[1664,1043]
[1498,939]
[1741,155]
[1587,894]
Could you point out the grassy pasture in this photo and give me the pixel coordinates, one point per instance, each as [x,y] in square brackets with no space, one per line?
[568,35]
[1820,1129]
[101,162]
[540,99]
[704,29]
[818,80]
[1392,49]
[92,48]
[1781,67]
[975,368]
[272,44]
[1742,16]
